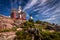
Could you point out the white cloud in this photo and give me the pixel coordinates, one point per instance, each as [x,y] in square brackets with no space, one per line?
[37,15]
[30,4]
[56,15]
[56,12]
[36,9]
[53,17]
[43,1]
[46,11]
[49,19]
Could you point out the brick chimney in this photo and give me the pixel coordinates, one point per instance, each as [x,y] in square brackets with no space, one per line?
[13,14]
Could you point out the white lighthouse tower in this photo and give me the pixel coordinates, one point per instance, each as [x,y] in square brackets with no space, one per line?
[19,9]
[19,12]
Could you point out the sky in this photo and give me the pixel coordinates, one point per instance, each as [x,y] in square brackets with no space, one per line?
[45,10]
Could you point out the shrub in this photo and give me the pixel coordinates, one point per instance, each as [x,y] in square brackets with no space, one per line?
[22,35]
[5,30]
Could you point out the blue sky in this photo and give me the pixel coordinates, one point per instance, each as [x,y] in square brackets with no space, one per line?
[45,10]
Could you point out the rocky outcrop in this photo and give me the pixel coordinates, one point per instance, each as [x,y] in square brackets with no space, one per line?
[7,36]
[8,23]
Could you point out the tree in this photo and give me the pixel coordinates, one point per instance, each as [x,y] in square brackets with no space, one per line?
[38,21]
[31,20]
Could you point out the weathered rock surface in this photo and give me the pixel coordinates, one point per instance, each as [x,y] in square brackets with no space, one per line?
[8,23]
[7,36]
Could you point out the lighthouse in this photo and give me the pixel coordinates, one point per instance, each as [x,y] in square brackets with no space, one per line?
[18,14]
[19,9]
[13,14]
[21,14]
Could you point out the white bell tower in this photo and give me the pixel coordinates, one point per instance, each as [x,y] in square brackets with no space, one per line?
[20,12]
[20,9]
